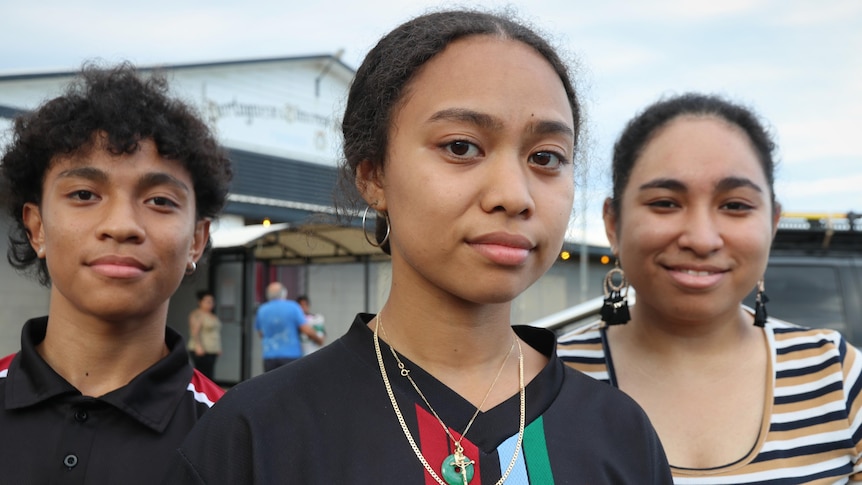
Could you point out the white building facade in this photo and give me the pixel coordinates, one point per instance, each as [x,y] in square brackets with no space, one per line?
[279,119]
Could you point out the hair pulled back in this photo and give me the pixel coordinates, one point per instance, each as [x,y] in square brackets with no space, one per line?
[380,82]
[641,129]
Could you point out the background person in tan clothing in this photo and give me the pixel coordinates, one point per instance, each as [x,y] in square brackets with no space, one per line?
[204,334]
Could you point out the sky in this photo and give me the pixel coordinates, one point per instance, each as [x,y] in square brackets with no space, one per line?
[797,63]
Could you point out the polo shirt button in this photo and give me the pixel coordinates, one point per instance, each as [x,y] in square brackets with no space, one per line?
[81,415]
[70,461]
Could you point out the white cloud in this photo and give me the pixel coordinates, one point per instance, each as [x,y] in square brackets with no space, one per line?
[831,194]
[796,61]
[845,184]
[802,142]
[806,13]
[611,57]
[587,12]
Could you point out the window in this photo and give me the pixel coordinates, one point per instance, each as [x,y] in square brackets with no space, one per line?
[805,295]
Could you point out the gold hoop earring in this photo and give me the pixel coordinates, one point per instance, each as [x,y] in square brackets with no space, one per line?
[365,232]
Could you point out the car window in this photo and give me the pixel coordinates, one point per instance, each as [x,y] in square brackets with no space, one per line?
[805,295]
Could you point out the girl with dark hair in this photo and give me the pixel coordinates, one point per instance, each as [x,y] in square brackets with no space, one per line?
[460,133]
[736,397]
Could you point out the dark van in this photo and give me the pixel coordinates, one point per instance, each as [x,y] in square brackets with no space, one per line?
[814,276]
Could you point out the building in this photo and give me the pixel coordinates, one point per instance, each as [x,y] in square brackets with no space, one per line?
[279,119]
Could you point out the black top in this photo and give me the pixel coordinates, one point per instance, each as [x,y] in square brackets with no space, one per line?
[53,434]
[327,419]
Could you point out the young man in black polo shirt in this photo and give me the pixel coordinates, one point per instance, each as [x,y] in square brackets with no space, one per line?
[112,188]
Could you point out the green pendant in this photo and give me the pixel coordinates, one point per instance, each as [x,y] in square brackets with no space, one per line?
[457,469]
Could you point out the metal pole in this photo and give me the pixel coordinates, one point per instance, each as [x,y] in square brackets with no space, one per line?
[584,263]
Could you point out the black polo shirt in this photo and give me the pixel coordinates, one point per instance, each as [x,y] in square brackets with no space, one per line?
[53,434]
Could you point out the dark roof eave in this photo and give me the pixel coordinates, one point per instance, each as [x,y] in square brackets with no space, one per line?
[266,60]
[11,113]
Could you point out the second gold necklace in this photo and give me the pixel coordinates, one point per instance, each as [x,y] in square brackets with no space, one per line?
[457,468]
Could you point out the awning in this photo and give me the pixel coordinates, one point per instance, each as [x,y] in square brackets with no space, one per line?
[232,237]
[310,243]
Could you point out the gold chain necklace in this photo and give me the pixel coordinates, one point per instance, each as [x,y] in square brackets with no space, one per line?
[457,461]
[456,468]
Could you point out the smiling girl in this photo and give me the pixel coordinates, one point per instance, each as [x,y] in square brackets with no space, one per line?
[735,397]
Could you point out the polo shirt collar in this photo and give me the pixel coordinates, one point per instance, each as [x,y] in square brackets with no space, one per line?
[150,398]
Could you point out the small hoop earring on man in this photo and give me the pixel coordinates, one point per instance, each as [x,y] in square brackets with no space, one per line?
[191,268]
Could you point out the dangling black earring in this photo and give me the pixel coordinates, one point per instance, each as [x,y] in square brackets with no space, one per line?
[615,310]
[760,300]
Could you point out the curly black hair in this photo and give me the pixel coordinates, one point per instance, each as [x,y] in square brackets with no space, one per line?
[127,108]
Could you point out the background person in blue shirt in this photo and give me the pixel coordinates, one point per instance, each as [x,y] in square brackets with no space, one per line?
[278,322]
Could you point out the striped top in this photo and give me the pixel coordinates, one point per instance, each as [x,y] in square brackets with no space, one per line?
[812,425]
